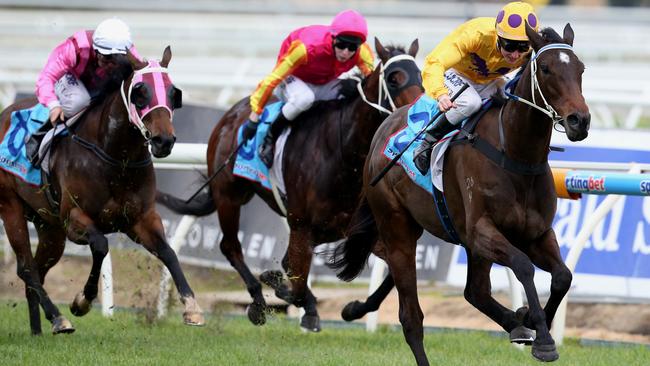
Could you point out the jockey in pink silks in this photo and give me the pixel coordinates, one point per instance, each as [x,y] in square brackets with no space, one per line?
[79,65]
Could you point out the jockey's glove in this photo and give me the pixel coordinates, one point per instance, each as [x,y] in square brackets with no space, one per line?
[249,130]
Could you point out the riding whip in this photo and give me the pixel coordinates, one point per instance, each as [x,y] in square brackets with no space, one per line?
[392,163]
[217,171]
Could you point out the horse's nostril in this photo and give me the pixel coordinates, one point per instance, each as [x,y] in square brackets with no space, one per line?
[573,119]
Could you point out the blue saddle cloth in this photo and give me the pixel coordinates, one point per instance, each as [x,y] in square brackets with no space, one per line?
[248,164]
[12,149]
[419,114]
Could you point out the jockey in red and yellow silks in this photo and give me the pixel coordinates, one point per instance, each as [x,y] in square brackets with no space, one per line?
[479,52]
[310,61]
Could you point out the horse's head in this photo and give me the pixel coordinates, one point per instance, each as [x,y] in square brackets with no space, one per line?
[397,79]
[151,98]
[558,73]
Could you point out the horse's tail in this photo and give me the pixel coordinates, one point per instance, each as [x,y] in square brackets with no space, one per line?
[350,256]
[201,205]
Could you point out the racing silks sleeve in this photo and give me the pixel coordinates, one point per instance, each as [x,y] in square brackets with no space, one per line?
[295,56]
[366,60]
[450,51]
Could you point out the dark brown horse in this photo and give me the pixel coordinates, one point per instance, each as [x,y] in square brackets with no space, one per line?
[501,215]
[104,180]
[322,160]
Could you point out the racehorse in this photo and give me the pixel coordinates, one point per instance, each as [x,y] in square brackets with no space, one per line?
[322,160]
[101,181]
[501,212]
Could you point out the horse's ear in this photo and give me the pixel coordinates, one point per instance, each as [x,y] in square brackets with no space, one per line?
[568,34]
[137,64]
[381,51]
[536,40]
[167,56]
[415,46]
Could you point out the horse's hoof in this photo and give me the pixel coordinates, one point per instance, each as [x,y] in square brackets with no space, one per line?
[256,313]
[80,306]
[193,318]
[350,312]
[545,352]
[310,323]
[522,335]
[61,325]
[272,278]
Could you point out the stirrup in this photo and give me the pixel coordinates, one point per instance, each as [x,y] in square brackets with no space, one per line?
[422,161]
[266,153]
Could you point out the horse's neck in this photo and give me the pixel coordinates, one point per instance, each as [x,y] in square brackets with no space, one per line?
[527,130]
[361,121]
[117,136]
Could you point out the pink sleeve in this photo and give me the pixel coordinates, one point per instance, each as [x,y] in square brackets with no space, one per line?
[63,59]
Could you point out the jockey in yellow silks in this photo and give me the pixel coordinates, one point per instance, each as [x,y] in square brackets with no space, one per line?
[310,61]
[479,52]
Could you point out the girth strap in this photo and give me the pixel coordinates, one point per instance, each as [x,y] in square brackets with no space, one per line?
[443,215]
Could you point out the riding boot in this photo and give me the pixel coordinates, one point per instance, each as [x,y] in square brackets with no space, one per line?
[422,154]
[267,148]
[34,142]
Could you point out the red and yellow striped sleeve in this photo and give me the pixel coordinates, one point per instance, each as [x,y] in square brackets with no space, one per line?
[295,56]
[366,61]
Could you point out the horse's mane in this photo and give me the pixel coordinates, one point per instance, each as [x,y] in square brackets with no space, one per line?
[112,83]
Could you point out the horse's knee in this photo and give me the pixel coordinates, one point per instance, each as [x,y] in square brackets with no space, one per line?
[561,280]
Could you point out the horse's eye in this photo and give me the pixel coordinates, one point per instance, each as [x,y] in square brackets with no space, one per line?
[544,68]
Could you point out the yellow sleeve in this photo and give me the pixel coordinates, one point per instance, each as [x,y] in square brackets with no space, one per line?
[366,61]
[447,53]
[295,56]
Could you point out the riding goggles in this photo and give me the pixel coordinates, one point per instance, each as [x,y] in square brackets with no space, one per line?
[341,45]
[512,46]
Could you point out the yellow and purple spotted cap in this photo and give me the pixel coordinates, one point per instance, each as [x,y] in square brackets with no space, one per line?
[511,21]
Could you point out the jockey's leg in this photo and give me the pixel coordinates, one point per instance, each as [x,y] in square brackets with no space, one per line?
[467,104]
[298,97]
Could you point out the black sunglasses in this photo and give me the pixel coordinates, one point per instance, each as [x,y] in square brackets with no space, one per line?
[341,45]
[512,46]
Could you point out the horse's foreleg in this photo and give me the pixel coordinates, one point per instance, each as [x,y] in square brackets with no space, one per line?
[16,230]
[150,233]
[490,244]
[546,255]
[298,262]
[81,228]
[231,248]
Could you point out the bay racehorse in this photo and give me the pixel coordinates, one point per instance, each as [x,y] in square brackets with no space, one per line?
[322,160]
[500,215]
[101,181]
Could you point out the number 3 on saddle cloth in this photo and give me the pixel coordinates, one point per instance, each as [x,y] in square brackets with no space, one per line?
[13,157]
[248,164]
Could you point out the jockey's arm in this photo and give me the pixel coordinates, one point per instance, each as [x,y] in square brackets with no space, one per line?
[366,61]
[451,50]
[62,59]
[295,56]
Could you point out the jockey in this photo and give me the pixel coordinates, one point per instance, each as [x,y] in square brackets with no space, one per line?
[479,52]
[77,67]
[77,70]
[310,61]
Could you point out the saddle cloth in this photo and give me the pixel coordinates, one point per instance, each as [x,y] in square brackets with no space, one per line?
[248,164]
[13,157]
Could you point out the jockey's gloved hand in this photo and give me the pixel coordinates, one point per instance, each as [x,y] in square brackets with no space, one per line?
[347,88]
[249,130]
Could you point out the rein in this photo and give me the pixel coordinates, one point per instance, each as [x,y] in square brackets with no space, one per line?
[383,87]
[102,155]
[534,84]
